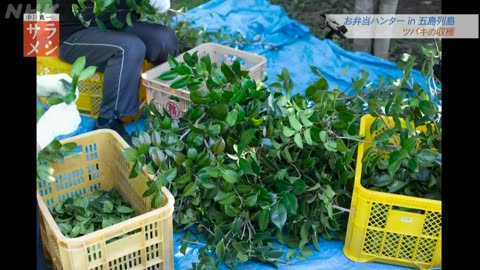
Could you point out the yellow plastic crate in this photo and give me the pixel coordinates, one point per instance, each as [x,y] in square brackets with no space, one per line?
[90,90]
[379,231]
[161,94]
[101,165]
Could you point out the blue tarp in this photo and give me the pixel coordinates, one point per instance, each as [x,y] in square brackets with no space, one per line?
[290,45]
[263,23]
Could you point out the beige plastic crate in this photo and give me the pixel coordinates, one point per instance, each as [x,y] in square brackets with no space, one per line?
[160,92]
[101,165]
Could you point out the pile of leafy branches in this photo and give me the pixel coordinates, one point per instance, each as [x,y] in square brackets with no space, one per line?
[246,174]
[405,155]
[86,214]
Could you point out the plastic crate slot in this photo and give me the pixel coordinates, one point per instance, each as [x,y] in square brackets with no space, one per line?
[126,261]
[425,250]
[157,266]
[378,215]
[433,224]
[153,251]
[50,204]
[94,253]
[116,238]
[408,209]
[100,267]
[391,244]
[373,242]
[151,231]
[93,172]
[407,247]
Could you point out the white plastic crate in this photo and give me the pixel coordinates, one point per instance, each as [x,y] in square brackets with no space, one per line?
[160,92]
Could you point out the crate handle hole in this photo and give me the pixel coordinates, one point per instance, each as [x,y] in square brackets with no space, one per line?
[408,209]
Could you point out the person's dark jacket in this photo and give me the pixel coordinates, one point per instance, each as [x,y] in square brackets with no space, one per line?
[70,24]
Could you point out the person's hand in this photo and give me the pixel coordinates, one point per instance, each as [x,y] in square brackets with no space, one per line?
[59,119]
[51,84]
[161,6]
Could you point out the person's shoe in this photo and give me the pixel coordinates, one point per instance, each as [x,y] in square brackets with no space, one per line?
[116,125]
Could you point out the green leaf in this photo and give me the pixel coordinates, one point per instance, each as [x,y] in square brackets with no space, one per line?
[323,136]
[329,192]
[170,174]
[172,62]
[395,160]
[168,75]
[185,241]
[428,107]
[245,139]
[219,111]
[243,189]
[116,22]
[287,132]
[382,180]
[298,140]
[409,144]
[45,173]
[396,186]
[245,166]
[230,176]
[315,70]
[78,65]
[213,130]
[298,187]
[184,179]
[157,155]
[220,250]
[331,146]
[201,68]
[286,154]
[130,154]
[128,19]
[54,100]
[228,199]
[263,219]
[179,158]
[100,25]
[290,202]
[229,74]
[190,189]
[219,146]
[384,136]
[136,169]
[181,82]
[152,188]
[192,153]
[306,252]
[278,215]
[251,200]
[413,165]
[304,119]
[208,184]
[124,209]
[294,123]
[341,147]
[232,118]
[315,240]
[87,73]
[426,156]
[107,206]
